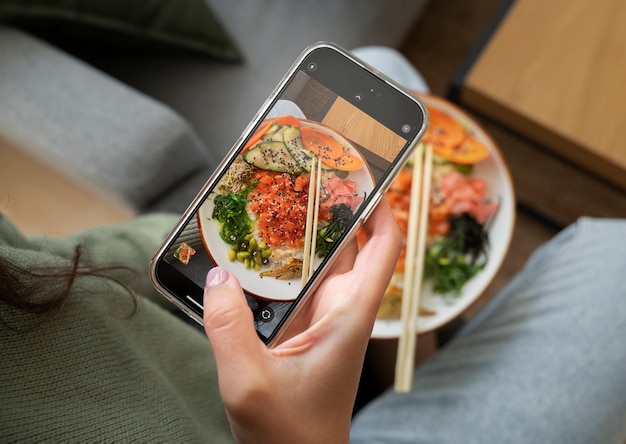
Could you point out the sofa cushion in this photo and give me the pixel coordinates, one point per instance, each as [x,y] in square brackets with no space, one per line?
[91,126]
[124,24]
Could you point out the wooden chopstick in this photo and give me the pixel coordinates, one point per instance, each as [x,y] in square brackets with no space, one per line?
[316,212]
[312,212]
[414,267]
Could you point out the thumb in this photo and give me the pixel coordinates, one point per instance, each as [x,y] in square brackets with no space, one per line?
[228,320]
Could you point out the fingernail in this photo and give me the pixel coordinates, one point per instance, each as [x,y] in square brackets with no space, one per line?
[215,277]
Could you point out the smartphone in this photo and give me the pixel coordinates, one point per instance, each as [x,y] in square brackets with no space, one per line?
[294,189]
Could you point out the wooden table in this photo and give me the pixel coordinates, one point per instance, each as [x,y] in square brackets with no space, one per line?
[555,72]
[40,200]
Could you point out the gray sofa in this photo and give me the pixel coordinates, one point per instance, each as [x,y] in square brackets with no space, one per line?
[150,128]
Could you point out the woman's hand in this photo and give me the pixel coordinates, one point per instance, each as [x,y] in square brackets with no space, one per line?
[302,390]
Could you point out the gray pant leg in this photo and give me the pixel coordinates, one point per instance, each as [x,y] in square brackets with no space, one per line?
[545,362]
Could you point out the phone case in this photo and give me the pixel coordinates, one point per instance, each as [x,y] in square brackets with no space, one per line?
[296,186]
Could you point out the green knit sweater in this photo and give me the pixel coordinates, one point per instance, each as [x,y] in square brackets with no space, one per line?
[90,372]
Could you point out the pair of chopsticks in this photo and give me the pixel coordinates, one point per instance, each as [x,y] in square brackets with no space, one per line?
[414,266]
[312,215]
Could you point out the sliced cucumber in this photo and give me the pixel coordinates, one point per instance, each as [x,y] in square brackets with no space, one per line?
[272,156]
[274,134]
[293,141]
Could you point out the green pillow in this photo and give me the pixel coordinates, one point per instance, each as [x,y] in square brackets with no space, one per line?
[135,25]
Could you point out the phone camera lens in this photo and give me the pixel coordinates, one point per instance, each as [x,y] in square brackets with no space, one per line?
[376,93]
[312,66]
[406,128]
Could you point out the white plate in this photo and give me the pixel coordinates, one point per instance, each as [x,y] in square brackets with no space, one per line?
[495,171]
[269,288]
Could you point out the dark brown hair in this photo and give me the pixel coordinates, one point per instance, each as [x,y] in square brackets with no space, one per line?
[45,289]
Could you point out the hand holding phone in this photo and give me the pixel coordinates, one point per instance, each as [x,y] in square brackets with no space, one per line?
[294,189]
[323,351]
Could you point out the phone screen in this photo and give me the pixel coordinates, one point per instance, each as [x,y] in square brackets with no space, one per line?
[289,196]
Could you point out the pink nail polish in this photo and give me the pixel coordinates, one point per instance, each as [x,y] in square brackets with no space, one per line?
[215,277]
